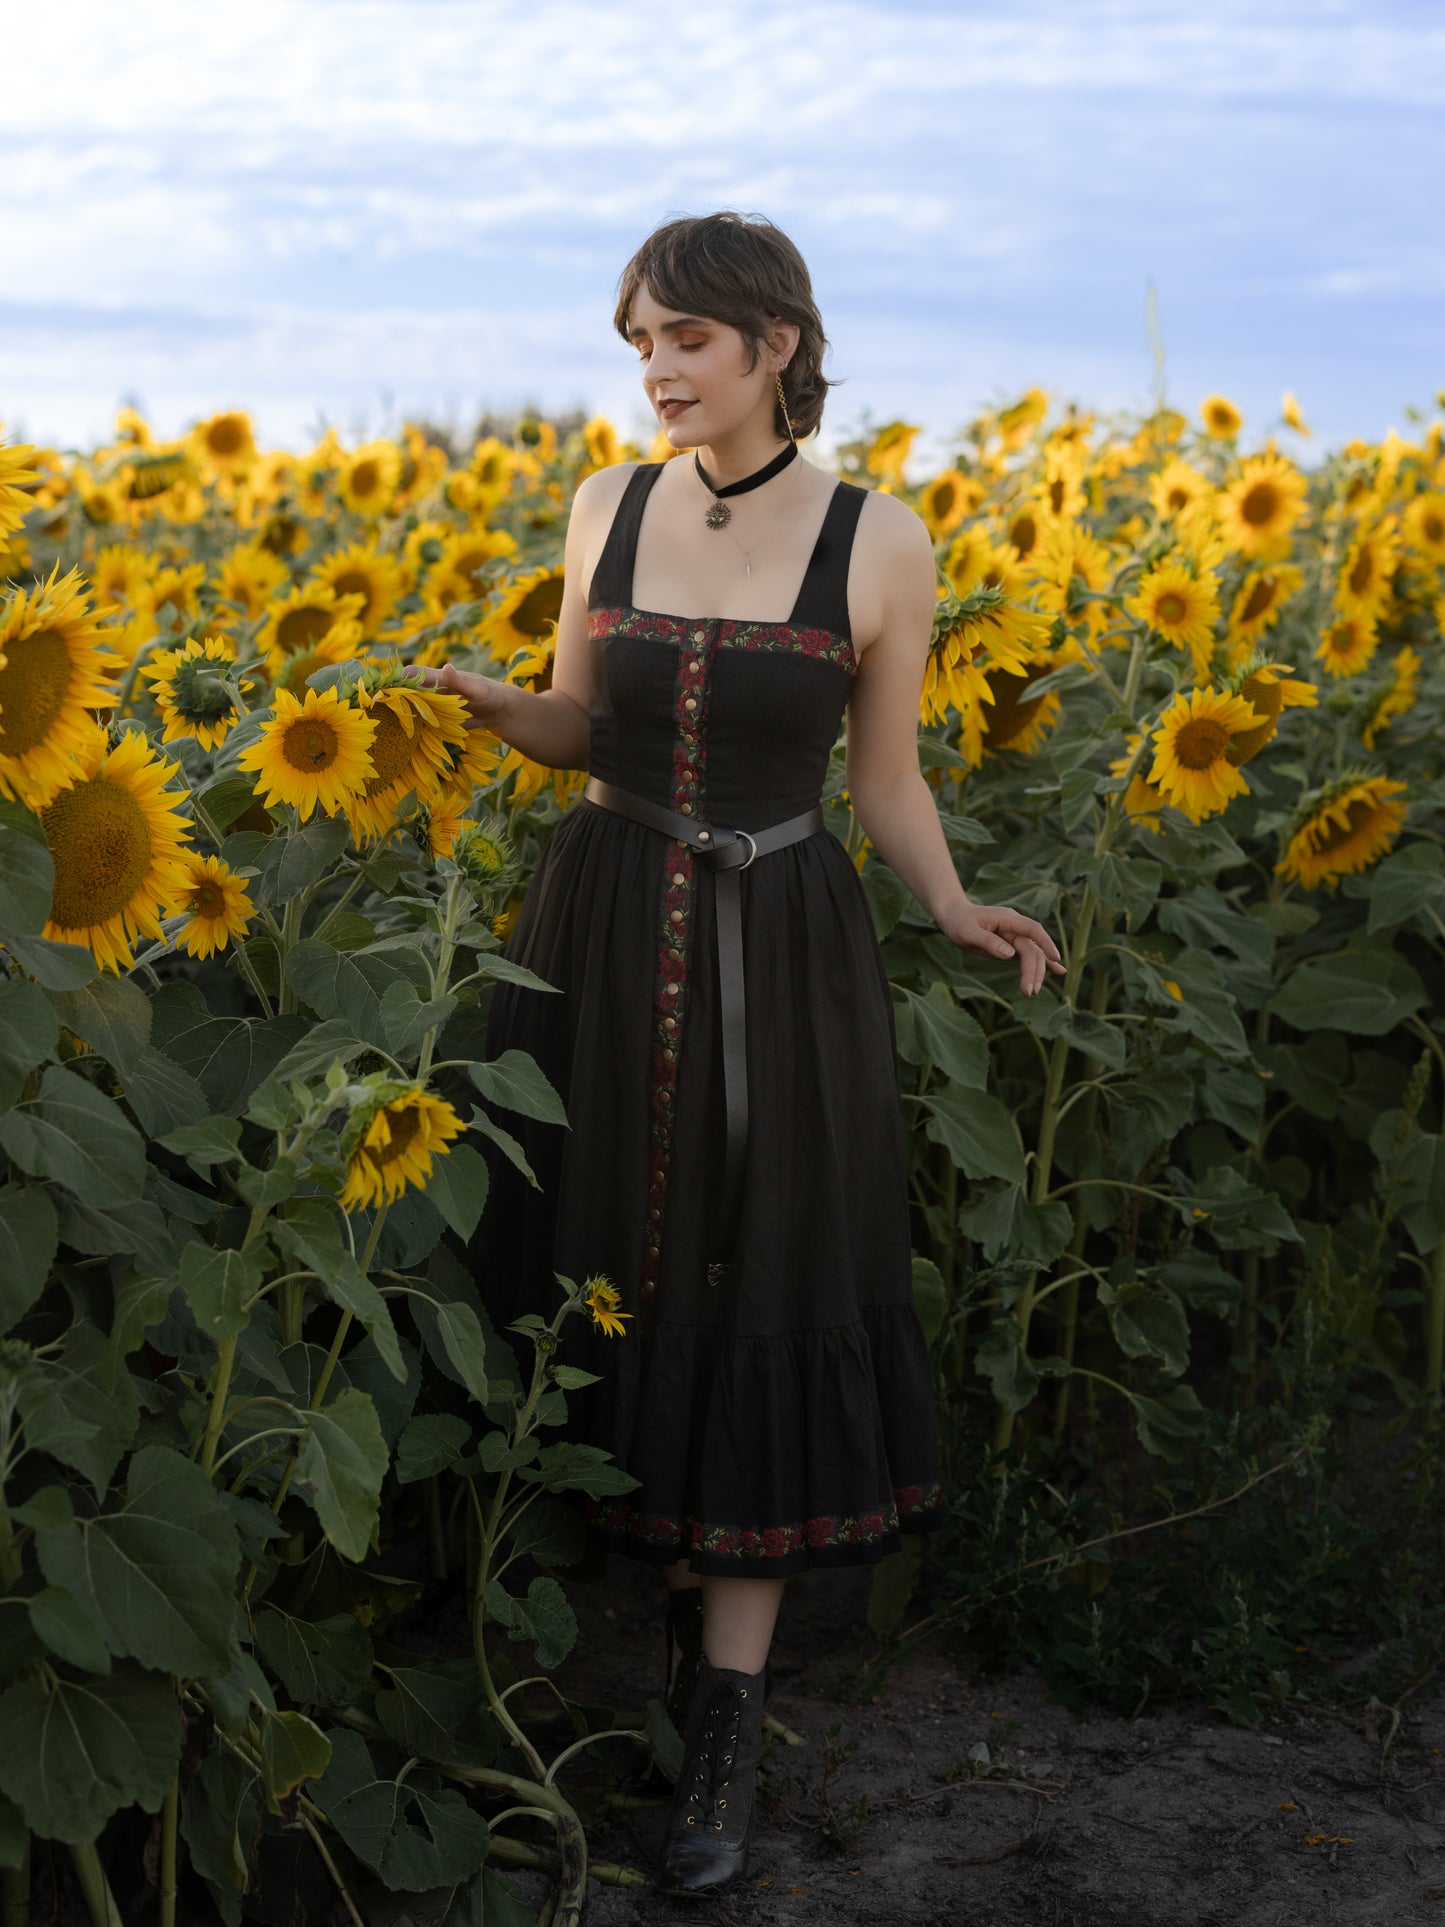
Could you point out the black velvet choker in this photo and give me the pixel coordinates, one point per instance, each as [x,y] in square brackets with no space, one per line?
[719,515]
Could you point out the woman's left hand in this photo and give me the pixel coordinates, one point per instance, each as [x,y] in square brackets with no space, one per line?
[993,930]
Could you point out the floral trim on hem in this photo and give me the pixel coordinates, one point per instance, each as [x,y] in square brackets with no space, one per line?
[910,1502]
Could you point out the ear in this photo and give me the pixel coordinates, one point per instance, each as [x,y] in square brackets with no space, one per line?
[783,339]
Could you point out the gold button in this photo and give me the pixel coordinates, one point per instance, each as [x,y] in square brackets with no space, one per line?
[669,1055]
[679,876]
[675,953]
[691,703]
[675,916]
[669,1023]
[686,809]
[655,1212]
[672,990]
[699,635]
[703,836]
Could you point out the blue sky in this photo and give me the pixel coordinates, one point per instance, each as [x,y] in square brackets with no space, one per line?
[351,211]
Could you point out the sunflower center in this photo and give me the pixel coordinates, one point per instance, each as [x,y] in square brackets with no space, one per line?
[391,749]
[539,608]
[1260,597]
[224,437]
[1056,495]
[208,900]
[33,686]
[1200,743]
[1260,504]
[355,582]
[364,478]
[101,845]
[310,744]
[404,1128]
[299,628]
[1171,607]
[1434,527]
[1010,714]
[1177,498]
[1024,534]
[1363,573]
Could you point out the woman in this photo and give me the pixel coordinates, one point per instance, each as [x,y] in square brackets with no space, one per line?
[734,1156]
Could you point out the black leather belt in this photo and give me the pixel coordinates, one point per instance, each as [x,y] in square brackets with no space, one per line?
[726,851]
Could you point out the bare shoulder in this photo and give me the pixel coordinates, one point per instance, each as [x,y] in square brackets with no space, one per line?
[893,584]
[596,496]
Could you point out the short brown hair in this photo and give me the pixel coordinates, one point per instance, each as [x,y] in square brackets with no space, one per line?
[742,270]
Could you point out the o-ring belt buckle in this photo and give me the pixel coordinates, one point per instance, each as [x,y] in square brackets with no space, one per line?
[752,849]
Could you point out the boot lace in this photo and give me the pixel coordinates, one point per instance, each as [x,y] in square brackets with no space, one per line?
[715,1756]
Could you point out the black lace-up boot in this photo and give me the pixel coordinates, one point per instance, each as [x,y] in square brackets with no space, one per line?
[684,1650]
[709,1827]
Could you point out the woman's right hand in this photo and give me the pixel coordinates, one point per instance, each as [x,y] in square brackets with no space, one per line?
[487,699]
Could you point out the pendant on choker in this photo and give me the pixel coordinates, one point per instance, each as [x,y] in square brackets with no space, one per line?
[718,516]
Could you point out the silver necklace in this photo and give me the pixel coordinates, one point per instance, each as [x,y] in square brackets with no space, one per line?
[746,553]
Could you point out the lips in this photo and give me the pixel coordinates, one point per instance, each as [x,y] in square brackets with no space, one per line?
[670,409]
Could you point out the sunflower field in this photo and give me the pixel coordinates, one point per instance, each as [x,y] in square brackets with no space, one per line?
[256,883]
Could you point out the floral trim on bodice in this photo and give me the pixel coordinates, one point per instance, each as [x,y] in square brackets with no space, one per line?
[822,645]
[910,1502]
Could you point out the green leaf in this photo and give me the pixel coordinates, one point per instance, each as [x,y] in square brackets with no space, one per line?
[56,966]
[226,798]
[933,1030]
[1207,1010]
[1150,1324]
[1095,1036]
[158,1573]
[543,1619]
[550,1531]
[1145,1112]
[220,1815]
[516,1082]
[138,1227]
[87,1411]
[570,1465]
[1240,1216]
[14,1834]
[293,1750]
[333,1042]
[27,877]
[1362,992]
[461,1338]
[492,963]
[65,1626]
[1312,1070]
[217,1285]
[340,1468]
[429,1445]
[27,1249]
[73,1756]
[228,1056]
[1405,884]
[296,859]
[1002,1359]
[1422,1191]
[324,1662]
[312,1237]
[977,1132]
[1169,1426]
[1130,884]
[510,1147]
[458,1188]
[209,1141]
[113,1015]
[406,1019]
[29,1033]
[161,1094]
[337,985]
[74,1136]
[437,1713]
[412,1839]
[929,1297]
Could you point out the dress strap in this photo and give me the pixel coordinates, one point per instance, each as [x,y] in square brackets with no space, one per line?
[823,599]
[611,585]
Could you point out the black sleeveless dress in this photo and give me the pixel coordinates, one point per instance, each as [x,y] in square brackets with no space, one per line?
[782,1418]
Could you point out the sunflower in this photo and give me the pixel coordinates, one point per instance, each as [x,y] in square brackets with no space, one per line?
[189,693]
[1424,526]
[1271,689]
[970,554]
[1176,486]
[415,730]
[132,429]
[171,597]
[1143,803]
[1397,696]
[486,855]
[16,480]
[1061,494]
[1260,598]
[315,753]
[1067,550]
[1015,421]
[298,622]
[369,478]
[1181,607]
[1261,505]
[379,579]
[473,763]
[463,558]
[218,904]
[1347,645]
[118,576]
[1220,417]
[1370,561]
[601,1298]
[224,445]
[661,449]
[603,448]
[990,632]
[945,501]
[341,643]
[53,665]
[249,575]
[888,451]
[397,1146]
[115,838]
[440,823]
[492,466]
[1348,830]
[1191,743]
[526,614]
[1014,720]
[1023,530]
[1289,410]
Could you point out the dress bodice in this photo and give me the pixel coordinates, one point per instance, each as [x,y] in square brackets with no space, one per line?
[734,720]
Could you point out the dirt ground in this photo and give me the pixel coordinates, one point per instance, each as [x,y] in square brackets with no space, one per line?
[1173,1819]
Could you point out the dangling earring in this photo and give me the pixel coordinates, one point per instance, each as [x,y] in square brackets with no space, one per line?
[783,404]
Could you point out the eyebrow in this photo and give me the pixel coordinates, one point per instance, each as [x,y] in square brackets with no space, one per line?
[670,327]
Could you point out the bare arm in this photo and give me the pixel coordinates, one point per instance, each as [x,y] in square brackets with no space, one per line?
[551,726]
[889,794]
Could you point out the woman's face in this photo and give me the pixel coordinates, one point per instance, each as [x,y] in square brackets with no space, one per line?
[695,372]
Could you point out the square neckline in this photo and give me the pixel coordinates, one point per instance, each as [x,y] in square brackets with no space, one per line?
[788,621]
